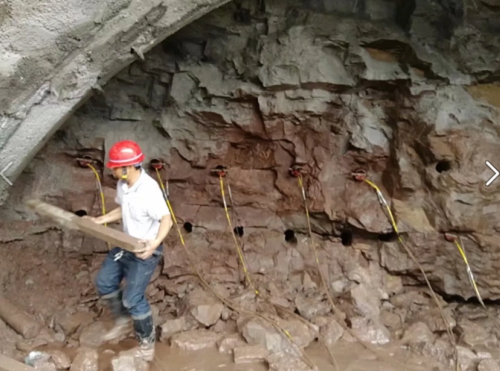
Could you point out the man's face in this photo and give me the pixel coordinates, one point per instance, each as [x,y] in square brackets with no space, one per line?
[117,172]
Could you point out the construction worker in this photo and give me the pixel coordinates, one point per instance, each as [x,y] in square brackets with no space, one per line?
[144,215]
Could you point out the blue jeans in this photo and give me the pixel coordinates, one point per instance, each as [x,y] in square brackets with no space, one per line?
[137,273]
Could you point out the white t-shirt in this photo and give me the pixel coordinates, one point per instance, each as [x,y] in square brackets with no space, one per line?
[143,207]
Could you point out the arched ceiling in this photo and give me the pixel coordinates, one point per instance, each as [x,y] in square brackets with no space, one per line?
[53,56]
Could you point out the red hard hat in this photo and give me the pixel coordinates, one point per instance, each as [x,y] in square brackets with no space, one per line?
[125,153]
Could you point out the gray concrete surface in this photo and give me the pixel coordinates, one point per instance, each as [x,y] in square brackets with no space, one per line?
[53,55]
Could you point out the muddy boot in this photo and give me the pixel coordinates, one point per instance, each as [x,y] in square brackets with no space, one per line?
[146,336]
[122,324]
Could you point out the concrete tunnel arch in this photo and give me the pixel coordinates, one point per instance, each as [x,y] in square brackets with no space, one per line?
[72,53]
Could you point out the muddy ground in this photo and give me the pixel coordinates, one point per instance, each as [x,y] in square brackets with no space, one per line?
[196,332]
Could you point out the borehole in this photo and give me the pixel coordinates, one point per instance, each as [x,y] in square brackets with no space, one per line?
[80,213]
[290,236]
[156,164]
[86,161]
[346,237]
[239,231]
[443,166]
[188,227]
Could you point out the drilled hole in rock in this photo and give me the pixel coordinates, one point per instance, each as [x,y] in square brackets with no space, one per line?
[188,227]
[443,166]
[290,236]
[80,212]
[239,231]
[346,237]
[243,16]
[388,237]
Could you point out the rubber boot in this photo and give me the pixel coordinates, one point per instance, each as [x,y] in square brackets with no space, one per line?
[146,336]
[122,324]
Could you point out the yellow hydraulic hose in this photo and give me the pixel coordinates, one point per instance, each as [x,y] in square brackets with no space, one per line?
[236,243]
[101,193]
[469,271]
[99,187]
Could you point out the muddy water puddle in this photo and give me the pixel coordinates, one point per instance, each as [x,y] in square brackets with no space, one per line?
[349,356]
[168,359]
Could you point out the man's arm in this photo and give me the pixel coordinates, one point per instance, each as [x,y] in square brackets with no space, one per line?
[158,210]
[165,226]
[150,246]
[110,217]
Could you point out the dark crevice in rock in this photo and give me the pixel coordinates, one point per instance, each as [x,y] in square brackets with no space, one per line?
[473,300]
[388,88]
[361,235]
[404,12]
[388,237]
[404,54]
[487,77]
[158,126]
[242,15]
[421,145]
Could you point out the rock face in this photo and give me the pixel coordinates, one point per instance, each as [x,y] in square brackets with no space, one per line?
[331,88]
[318,89]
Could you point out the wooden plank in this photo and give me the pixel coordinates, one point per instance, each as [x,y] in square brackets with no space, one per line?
[72,221]
[9,364]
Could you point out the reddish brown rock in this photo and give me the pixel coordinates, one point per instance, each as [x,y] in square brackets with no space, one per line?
[195,340]
[85,360]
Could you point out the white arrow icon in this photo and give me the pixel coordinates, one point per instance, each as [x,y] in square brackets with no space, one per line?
[497,173]
[2,173]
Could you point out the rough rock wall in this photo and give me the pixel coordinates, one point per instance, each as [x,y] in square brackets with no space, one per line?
[54,55]
[259,86]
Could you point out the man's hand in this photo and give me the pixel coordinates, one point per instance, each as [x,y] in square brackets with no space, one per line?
[146,248]
[96,220]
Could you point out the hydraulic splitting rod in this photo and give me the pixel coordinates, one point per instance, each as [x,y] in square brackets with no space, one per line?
[361,176]
[453,238]
[221,172]
[157,166]
[87,162]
